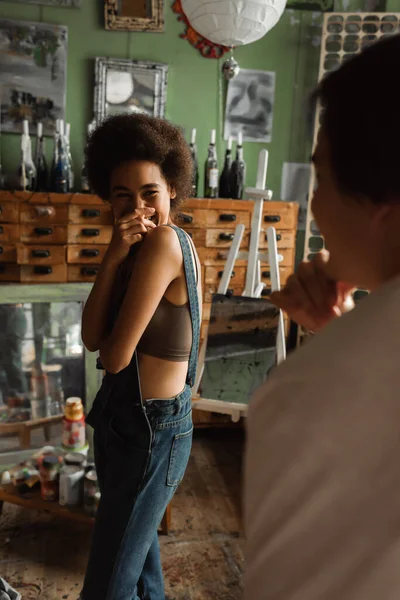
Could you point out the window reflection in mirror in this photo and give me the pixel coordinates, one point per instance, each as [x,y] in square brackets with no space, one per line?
[41,364]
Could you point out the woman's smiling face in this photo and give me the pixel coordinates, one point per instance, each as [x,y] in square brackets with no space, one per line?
[140,184]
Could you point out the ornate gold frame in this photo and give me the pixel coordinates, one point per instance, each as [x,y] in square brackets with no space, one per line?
[154,24]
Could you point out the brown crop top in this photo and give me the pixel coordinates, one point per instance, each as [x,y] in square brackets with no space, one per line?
[169,332]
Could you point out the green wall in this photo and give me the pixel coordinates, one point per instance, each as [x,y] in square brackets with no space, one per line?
[196,94]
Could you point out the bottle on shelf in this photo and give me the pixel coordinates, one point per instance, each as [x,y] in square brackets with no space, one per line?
[85,185]
[27,170]
[55,155]
[61,168]
[211,172]
[42,172]
[71,178]
[238,171]
[193,150]
[225,179]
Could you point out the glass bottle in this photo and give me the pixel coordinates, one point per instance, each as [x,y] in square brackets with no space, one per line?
[42,172]
[27,170]
[238,171]
[71,178]
[193,150]
[225,179]
[85,185]
[61,170]
[211,172]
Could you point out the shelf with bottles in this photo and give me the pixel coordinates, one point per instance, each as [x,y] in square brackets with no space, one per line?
[35,175]
[230,183]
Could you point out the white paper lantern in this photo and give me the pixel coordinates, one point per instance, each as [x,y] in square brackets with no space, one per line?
[233,22]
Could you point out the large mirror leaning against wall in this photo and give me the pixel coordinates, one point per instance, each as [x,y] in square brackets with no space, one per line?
[134,15]
[129,86]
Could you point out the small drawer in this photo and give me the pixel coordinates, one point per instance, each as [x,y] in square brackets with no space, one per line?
[89,234]
[211,289]
[210,218]
[280,214]
[287,258]
[91,214]
[81,254]
[10,272]
[198,236]
[284,274]
[9,233]
[41,255]
[214,275]
[9,212]
[8,253]
[83,272]
[44,234]
[222,238]
[44,214]
[44,273]
[284,239]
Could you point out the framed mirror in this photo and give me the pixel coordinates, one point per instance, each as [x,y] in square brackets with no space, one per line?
[134,15]
[128,86]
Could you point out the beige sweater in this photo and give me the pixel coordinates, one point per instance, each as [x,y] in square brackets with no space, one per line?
[322,484]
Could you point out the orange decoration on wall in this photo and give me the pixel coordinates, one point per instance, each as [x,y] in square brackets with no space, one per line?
[205,47]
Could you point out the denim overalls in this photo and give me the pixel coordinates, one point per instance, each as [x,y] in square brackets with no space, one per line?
[141,453]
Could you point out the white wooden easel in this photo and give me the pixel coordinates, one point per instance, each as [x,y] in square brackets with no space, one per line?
[253,287]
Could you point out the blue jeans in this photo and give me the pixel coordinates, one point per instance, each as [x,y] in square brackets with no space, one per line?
[140,461]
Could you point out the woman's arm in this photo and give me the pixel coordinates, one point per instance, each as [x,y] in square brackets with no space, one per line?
[159,262]
[128,230]
[95,318]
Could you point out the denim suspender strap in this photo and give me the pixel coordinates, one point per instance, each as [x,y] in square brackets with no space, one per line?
[193,303]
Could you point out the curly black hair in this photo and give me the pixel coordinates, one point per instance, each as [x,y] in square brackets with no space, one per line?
[123,138]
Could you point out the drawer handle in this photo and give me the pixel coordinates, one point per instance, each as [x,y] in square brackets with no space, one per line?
[43,230]
[272,218]
[45,211]
[90,252]
[266,274]
[90,232]
[1,230]
[89,271]
[226,236]
[40,270]
[278,237]
[266,292]
[190,234]
[229,292]
[220,273]
[1,210]
[40,253]
[2,268]
[90,212]
[1,249]
[186,218]
[230,218]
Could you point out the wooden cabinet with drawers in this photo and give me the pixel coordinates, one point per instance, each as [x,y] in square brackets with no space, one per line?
[56,238]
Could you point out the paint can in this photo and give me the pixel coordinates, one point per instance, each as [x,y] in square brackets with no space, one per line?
[91,494]
[75,459]
[71,486]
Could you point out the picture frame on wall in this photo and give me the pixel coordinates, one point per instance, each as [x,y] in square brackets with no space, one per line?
[129,86]
[134,15]
[33,67]
[57,3]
